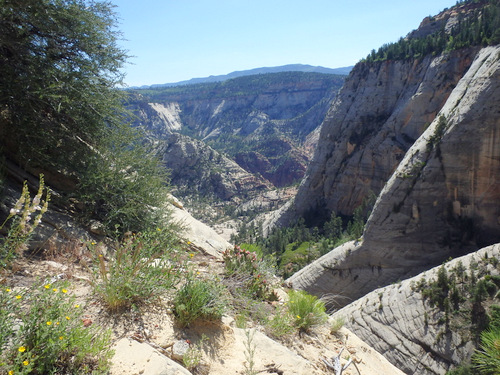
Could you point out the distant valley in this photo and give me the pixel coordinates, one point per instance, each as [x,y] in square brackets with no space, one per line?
[227,142]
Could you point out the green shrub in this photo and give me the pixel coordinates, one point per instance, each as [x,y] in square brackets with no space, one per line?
[462,370]
[124,186]
[306,310]
[42,333]
[198,299]
[193,357]
[487,358]
[21,223]
[238,260]
[59,80]
[143,266]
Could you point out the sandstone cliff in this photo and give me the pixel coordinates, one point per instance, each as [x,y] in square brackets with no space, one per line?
[441,201]
[414,333]
[379,113]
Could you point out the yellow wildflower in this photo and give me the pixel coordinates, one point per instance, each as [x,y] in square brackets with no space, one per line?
[55,289]
[49,323]
[61,337]
[26,363]
[19,296]
[298,316]
[67,317]
[191,255]
[7,290]
[21,349]
[47,286]
[11,372]
[64,291]
[77,306]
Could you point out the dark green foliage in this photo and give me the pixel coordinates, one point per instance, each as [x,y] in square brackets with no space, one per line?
[59,63]
[61,110]
[123,186]
[479,26]
[462,370]
[298,245]
[438,133]
[437,291]
[487,359]
[466,299]
[495,316]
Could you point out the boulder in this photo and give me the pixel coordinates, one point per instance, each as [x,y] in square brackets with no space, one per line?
[134,358]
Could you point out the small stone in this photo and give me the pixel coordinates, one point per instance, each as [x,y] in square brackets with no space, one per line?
[179,349]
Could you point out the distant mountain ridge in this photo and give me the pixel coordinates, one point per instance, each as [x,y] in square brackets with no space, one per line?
[276,69]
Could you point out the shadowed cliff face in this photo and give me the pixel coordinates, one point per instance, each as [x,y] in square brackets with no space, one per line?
[441,201]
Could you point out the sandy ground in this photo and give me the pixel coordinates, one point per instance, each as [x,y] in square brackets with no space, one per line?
[144,339]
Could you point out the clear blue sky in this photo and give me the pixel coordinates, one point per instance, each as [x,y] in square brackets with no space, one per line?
[174,40]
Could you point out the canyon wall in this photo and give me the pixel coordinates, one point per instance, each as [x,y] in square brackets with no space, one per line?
[440,202]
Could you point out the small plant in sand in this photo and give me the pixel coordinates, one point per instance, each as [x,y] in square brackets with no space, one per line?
[336,325]
[250,353]
[199,299]
[143,267]
[306,310]
[41,332]
[281,323]
[192,360]
[23,218]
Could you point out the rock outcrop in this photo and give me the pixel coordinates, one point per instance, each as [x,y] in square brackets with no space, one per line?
[198,169]
[441,202]
[377,116]
[414,335]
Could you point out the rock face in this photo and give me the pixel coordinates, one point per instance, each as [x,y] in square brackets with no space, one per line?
[379,113]
[200,235]
[441,201]
[198,169]
[411,333]
[133,357]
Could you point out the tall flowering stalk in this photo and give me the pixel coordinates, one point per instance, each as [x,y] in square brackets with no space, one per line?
[23,218]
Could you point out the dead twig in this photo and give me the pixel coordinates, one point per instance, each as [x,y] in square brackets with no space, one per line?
[335,364]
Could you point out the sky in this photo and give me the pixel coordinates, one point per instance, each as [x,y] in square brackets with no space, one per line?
[175,40]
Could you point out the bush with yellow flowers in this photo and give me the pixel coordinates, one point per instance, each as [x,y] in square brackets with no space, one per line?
[42,332]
